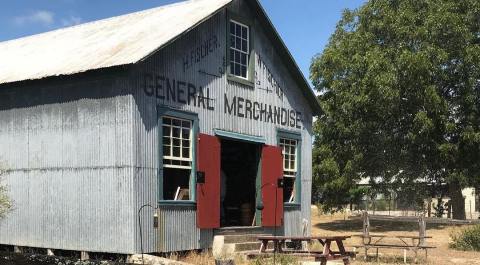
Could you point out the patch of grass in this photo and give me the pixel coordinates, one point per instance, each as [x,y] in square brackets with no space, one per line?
[391,259]
[279,260]
[467,239]
[193,257]
[205,258]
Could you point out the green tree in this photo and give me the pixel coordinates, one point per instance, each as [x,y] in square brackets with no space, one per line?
[399,82]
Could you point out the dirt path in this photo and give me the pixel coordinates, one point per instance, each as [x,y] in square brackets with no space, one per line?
[441,255]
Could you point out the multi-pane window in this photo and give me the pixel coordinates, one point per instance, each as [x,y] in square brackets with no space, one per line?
[177,143]
[239,49]
[289,151]
[177,158]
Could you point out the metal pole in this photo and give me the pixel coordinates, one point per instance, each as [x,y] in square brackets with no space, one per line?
[140,228]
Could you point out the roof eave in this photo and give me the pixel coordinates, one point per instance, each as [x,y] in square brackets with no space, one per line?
[178,36]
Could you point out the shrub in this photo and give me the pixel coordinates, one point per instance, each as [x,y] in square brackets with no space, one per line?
[467,239]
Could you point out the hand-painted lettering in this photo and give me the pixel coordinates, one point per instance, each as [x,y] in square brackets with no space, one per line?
[248,109]
[274,84]
[198,53]
[192,91]
[256,106]
[181,92]
[201,97]
[171,90]
[240,107]
[159,87]
[230,108]
[178,91]
[148,87]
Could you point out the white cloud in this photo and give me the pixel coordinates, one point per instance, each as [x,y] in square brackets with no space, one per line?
[43,17]
[71,21]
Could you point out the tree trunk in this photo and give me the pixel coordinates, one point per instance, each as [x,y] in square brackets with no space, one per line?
[457,201]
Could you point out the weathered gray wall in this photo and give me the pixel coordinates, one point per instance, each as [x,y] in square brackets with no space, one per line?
[169,63]
[178,230]
[67,145]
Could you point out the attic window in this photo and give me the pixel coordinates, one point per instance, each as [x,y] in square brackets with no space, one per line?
[239,49]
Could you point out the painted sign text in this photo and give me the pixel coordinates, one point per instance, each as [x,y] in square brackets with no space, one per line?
[248,109]
[198,53]
[178,91]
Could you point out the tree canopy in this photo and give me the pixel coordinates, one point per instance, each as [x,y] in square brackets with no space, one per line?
[399,83]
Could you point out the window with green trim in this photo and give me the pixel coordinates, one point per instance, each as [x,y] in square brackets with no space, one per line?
[239,49]
[289,151]
[177,155]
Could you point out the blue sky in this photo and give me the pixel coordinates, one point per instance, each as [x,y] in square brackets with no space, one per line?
[305,25]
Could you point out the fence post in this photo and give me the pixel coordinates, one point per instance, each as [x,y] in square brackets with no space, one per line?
[366,225]
[422,229]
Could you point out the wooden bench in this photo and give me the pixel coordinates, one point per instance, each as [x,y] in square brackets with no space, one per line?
[317,256]
[405,248]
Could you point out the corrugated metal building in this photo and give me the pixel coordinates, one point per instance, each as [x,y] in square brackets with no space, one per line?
[196,109]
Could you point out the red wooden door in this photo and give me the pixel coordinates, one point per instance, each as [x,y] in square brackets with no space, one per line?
[272,195]
[208,193]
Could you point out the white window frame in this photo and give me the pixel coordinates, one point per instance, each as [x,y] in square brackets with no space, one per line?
[247,52]
[287,170]
[170,156]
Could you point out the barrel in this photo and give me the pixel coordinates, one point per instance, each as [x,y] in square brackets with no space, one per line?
[246,214]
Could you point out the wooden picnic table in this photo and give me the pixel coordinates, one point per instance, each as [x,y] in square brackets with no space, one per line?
[322,256]
[376,241]
[416,240]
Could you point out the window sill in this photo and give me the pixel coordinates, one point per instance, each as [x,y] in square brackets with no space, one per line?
[292,205]
[242,81]
[181,203]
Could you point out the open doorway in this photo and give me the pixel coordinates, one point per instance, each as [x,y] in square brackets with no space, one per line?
[239,164]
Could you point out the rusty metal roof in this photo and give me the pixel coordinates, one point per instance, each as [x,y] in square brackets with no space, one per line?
[105,43]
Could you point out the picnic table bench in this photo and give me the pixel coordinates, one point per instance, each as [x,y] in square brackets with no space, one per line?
[377,241]
[322,256]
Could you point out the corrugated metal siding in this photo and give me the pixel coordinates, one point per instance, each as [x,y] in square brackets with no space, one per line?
[178,231]
[68,150]
[169,63]
[306,198]
[293,225]
[145,194]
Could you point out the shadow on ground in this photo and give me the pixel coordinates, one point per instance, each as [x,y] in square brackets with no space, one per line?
[355,225]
